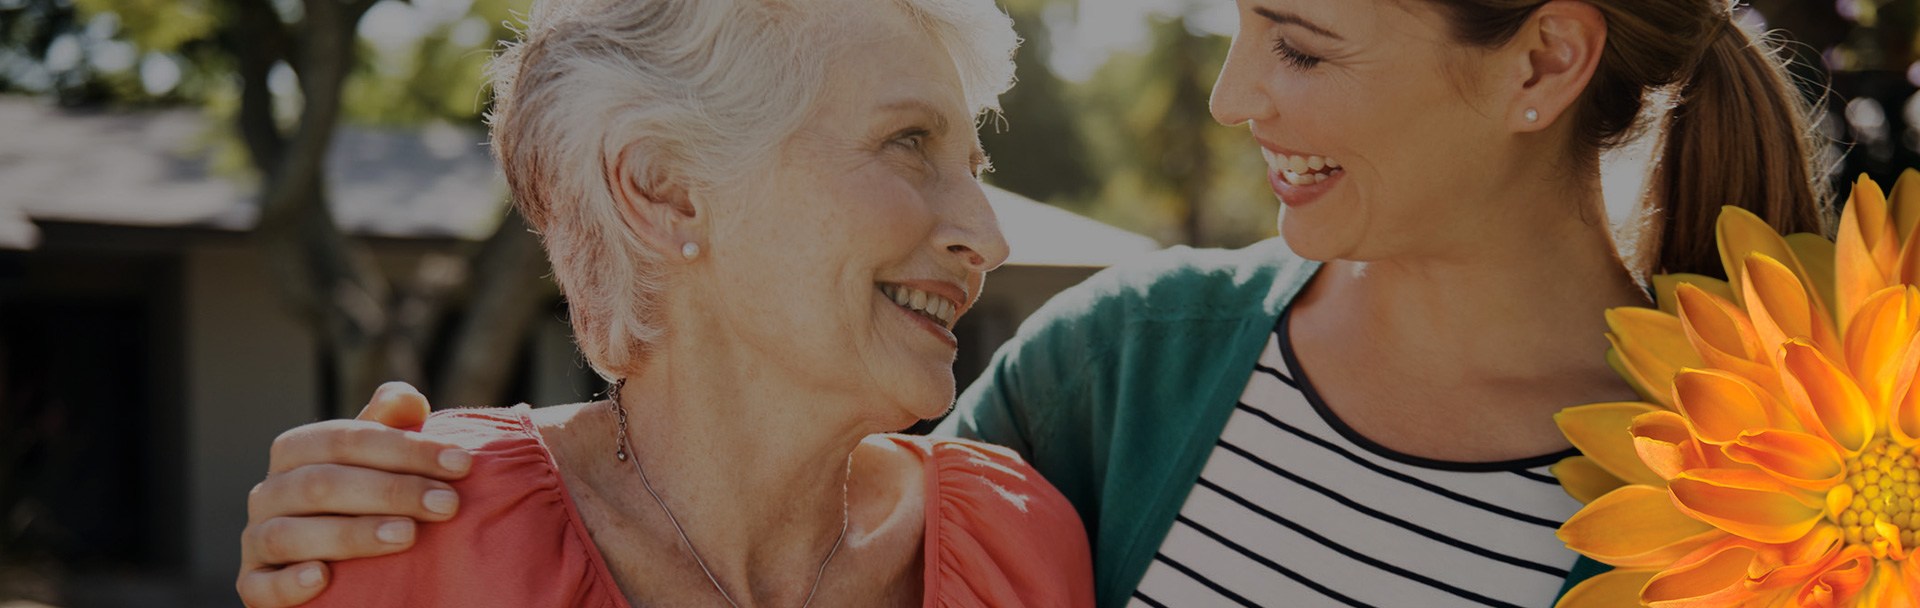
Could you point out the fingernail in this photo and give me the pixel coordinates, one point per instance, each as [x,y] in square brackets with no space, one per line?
[441,501]
[455,460]
[395,532]
[308,576]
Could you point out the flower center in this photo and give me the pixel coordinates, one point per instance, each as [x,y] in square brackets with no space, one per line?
[1884,482]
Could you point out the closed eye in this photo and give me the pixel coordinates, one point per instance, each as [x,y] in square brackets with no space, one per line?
[1294,56]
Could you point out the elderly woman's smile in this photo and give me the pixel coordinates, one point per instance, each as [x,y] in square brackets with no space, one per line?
[932,301]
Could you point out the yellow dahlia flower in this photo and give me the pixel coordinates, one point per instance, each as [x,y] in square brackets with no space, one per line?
[1775,460]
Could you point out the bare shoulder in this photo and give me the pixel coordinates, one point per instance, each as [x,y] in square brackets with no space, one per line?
[886,486]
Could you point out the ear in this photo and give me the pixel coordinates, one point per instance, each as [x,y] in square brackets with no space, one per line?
[1559,48]
[655,208]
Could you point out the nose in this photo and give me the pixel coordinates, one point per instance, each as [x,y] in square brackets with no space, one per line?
[1236,95]
[969,230]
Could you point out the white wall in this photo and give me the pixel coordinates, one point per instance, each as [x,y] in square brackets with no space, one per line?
[251,372]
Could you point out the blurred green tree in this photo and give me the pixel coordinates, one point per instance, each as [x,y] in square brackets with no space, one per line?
[1035,141]
[287,73]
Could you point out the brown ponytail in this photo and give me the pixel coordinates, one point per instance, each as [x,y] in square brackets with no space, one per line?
[1737,136]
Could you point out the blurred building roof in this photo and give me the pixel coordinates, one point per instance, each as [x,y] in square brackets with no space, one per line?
[155,168]
[1040,234]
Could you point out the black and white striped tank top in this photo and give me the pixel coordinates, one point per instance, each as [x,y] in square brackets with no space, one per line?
[1295,509]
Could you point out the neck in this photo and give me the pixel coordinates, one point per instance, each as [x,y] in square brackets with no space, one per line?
[754,469]
[1518,295]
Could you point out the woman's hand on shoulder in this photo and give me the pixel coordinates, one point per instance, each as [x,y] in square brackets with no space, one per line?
[344,489]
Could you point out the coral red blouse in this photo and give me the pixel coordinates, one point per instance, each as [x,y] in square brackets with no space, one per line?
[996,533]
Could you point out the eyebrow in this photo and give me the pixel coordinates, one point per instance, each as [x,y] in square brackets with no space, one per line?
[919,105]
[1280,18]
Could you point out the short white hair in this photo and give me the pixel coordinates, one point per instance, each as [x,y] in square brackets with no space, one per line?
[693,91]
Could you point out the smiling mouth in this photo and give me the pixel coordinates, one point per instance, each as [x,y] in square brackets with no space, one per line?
[941,311]
[1301,170]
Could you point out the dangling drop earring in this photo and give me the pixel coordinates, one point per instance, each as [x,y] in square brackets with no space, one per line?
[690,250]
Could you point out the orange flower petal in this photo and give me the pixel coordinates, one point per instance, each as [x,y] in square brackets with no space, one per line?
[1739,233]
[1909,268]
[1874,219]
[1723,336]
[1887,589]
[1638,382]
[1907,593]
[1801,460]
[1602,432]
[1665,444]
[1714,324]
[1816,257]
[1904,421]
[1788,566]
[1610,589]
[1636,527]
[1665,284]
[1826,400]
[1886,542]
[1652,346]
[1905,205]
[1781,308]
[1748,504]
[1715,577]
[1839,582]
[1584,479]
[1720,405]
[1866,236]
[1877,341]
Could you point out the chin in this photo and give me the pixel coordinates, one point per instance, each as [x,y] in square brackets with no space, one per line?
[902,405]
[1308,244]
[934,406]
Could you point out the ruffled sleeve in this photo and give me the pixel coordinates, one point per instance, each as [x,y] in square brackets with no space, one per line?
[517,540]
[997,533]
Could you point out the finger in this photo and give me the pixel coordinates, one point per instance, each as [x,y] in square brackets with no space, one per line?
[331,489]
[368,444]
[285,540]
[398,405]
[289,586]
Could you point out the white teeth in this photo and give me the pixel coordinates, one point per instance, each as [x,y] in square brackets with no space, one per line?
[1304,166]
[941,309]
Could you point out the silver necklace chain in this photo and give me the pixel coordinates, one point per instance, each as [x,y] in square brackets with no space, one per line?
[624,448]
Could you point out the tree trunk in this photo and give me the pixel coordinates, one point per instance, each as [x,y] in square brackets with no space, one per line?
[510,292]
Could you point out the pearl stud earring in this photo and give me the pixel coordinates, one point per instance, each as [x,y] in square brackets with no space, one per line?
[690,250]
[1533,115]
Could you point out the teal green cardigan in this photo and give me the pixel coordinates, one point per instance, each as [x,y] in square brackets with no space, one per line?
[1117,389]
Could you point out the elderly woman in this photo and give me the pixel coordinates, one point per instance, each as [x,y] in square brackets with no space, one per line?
[766,218]
[1374,426]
